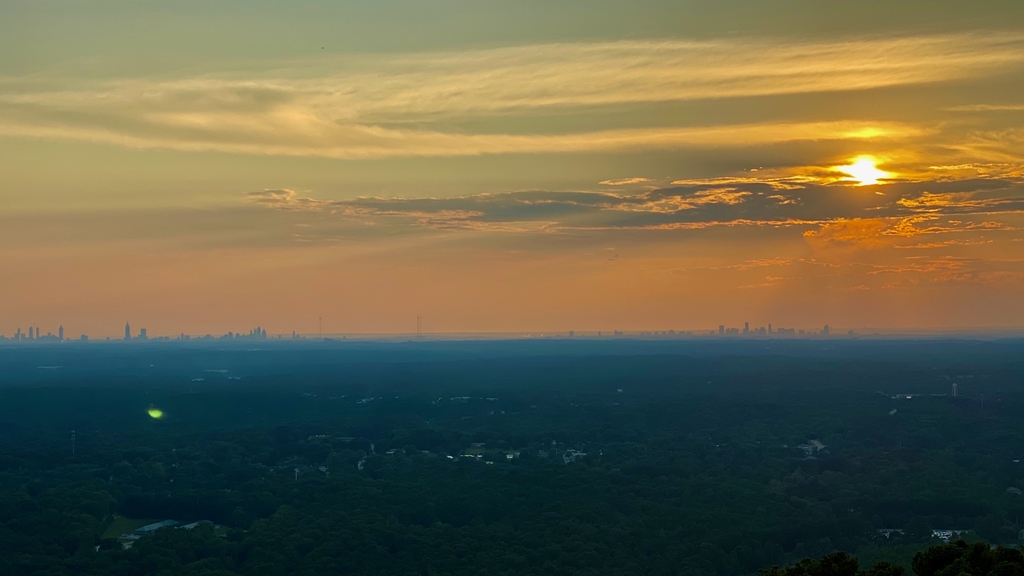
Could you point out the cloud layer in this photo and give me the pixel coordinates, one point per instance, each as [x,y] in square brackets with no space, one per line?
[374,106]
[834,213]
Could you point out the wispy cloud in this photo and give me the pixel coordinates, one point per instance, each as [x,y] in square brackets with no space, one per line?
[317,138]
[624,181]
[986,108]
[373,106]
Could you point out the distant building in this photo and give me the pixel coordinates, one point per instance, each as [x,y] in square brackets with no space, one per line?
[127,331]
[812,448]
[142,334]
[746,327]
[721,329]
[946,535]
[150,528]
[572,455]
[60,333]
[824,331]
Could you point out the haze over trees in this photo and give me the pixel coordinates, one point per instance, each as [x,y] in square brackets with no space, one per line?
[514,458]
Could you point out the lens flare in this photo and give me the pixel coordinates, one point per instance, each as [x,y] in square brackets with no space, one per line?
[155,413]
[864,171]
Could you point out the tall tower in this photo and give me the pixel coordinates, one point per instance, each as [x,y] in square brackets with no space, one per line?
[60,333]
[746,327]
[721,329]
[127,331]
[824,331]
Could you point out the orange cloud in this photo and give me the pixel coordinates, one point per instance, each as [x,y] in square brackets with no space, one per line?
[624,181]
[857,233]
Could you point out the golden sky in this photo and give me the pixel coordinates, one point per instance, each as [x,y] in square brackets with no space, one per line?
[510,167]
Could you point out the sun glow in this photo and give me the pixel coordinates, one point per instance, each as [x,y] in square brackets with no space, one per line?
[864,171]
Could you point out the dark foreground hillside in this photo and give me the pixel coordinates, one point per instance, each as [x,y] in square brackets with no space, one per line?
[509,458]
[953,559]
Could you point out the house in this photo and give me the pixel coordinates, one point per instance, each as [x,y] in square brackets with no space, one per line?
[150,528]
[572,455]
[946,535]
[812,448]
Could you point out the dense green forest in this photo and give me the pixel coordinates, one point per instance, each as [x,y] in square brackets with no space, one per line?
[509,458]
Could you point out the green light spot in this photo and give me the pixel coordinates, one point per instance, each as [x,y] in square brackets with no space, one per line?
[156,413]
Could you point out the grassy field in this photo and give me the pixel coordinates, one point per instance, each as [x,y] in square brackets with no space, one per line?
[122,525]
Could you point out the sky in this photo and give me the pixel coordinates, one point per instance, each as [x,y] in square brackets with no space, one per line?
[533,166]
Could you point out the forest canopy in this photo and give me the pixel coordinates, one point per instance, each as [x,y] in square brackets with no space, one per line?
[468,459]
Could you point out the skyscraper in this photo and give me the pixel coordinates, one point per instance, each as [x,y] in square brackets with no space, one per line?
[142,334]
[127,331]
[824,331]
[60,333]
[746,327]
[721,329]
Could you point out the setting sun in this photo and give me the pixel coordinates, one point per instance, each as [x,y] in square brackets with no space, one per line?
[864,171]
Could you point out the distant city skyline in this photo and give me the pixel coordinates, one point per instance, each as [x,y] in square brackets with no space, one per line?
[34,335]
